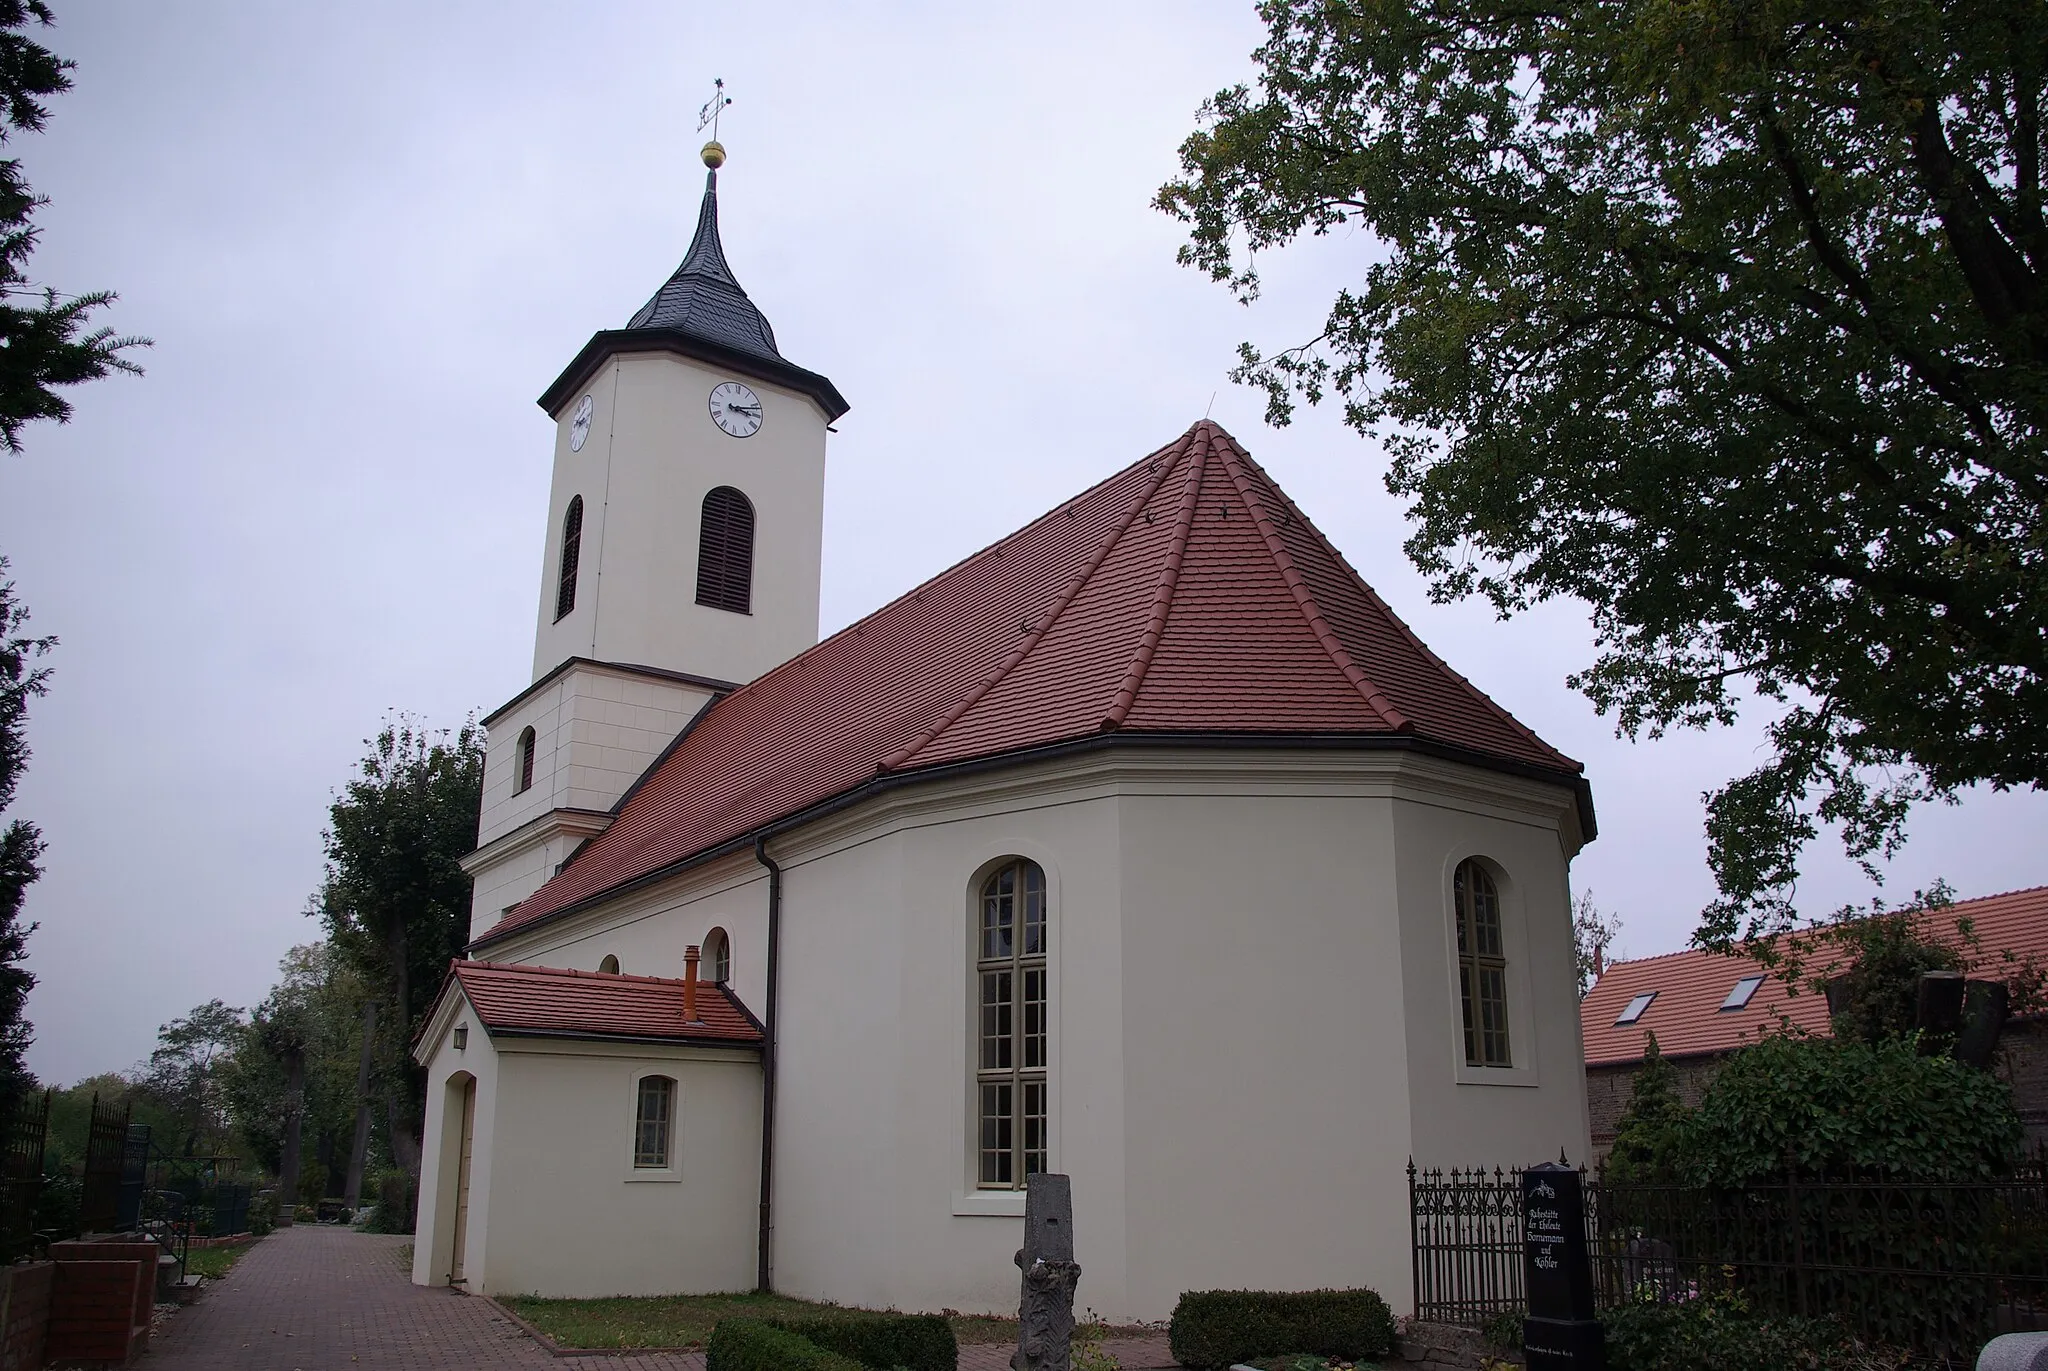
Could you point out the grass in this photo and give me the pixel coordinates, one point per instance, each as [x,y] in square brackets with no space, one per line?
[215,1262]
[687,1320]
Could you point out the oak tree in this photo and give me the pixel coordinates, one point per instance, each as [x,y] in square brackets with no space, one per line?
[1728,318]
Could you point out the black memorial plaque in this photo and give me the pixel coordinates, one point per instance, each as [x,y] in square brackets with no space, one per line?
[1560,1333]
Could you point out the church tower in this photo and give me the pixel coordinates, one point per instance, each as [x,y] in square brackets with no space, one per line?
[685,522]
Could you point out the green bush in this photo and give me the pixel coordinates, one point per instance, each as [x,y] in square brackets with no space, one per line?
[749,1345]
[1720,1333]
[915,1342]
[1217,1328]
[1842,1107]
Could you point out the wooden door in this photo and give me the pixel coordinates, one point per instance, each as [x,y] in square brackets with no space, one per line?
[455,1263]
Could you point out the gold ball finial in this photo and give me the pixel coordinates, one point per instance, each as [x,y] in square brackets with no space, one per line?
[714,155]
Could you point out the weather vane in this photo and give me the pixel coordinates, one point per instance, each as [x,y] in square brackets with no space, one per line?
[707,117]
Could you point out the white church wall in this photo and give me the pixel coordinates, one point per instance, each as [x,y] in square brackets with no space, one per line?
[440,1146]
[573,1217]
[1473,1116]
[596,731]
[652,455]
[875,1196]
[649,932]
[1266,1093]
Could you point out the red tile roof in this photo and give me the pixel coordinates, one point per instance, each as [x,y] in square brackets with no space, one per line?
[1687,1016]
[593,1004]
[1184,595]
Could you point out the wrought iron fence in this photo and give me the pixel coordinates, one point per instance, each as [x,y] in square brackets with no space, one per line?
[24,1129]
[106,1146]
[1933,1268]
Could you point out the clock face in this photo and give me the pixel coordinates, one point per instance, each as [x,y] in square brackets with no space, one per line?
[736,409]
[579,427]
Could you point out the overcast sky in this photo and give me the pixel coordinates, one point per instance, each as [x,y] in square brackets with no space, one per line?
[365,237]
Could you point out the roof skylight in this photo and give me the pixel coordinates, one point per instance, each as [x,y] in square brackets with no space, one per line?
[1738,998]
[1635,1009]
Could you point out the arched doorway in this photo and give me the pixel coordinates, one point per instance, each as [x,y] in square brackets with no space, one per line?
[458,1145]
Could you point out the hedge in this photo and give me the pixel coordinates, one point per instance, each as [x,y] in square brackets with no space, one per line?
[916,1342]
[1214,1329]
[748,1345]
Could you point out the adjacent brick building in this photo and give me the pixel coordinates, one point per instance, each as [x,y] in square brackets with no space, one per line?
[1703,1005]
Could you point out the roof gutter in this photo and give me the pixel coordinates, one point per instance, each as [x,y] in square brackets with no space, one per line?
[764,1276]
[1582,792]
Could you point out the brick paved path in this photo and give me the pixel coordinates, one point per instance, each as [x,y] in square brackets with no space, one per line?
[320,1298]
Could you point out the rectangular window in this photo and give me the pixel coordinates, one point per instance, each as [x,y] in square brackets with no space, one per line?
[1739,997]
[1635,1009]
[1012,1039]
[651,1117]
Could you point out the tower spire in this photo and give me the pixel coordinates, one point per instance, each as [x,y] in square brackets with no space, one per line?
[703,298]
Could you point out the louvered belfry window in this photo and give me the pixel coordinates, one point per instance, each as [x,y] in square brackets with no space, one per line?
[526,748]
[1482,966]
[1010,1029]
[725,552]
[572,552]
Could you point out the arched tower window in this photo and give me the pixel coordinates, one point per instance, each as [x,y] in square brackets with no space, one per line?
[610,965]
[725,552]
[572,553]
[1482,966]
[717,956]
[1010,1027]
[525,763]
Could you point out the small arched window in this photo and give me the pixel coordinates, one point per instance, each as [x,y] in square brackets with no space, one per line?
[610,965]
[1482,966]
[653,1121]
[725,552]
[525,763]
[572,553]
[717,956]
[1010,1028]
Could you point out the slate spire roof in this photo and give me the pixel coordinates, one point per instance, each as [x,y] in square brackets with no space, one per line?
[703,298]
[1185,599]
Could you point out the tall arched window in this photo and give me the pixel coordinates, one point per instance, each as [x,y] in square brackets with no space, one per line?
[1010,1028]
[653,1120]
[572,552]
[525,763]
[725,552]
[1482,966]
[717,956]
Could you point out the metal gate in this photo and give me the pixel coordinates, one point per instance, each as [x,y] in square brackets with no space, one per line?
[106,1147]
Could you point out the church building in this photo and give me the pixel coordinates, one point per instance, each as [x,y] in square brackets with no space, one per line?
[1145,845]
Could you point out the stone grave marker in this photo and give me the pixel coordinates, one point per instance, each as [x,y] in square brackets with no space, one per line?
[1560,1333]
[1045,1310]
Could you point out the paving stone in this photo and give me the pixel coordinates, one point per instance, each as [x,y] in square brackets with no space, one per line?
[320,1298]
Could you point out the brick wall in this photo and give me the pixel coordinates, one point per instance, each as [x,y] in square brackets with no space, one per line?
[1608,1089]
[25,1295]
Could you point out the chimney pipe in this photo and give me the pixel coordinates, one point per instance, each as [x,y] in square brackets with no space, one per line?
[690,955]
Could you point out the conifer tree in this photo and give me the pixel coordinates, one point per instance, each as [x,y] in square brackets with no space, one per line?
[21,844]
[1647,1139]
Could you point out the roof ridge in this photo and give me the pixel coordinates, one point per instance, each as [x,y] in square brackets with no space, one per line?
[529,969]
[931,732]
[1162,594]
[1376,700]
[1400,624]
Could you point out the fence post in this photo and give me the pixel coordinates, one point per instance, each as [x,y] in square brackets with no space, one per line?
[1798,1239]
[1414,1239]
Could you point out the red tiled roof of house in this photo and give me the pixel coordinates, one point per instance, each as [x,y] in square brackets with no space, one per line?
[550,1000]
[1184,595]
[1687,1016]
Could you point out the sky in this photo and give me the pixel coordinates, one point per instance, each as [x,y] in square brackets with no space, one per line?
[364,238]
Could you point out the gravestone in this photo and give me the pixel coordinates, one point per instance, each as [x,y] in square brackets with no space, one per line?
[1560,1333]
[1045,1310]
